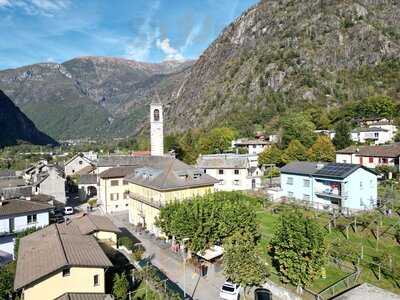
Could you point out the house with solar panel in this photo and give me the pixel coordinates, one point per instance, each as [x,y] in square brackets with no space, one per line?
[327,185]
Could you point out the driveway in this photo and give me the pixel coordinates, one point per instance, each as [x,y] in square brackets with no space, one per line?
[202,288]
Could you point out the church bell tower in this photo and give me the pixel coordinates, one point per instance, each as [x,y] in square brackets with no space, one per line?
[156,129]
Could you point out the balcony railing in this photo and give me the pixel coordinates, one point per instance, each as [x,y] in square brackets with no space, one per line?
[149,201]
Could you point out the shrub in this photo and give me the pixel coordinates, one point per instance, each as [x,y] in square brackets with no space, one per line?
[126,242]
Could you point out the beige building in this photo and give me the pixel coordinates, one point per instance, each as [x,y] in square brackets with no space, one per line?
[152,187]
[54,261]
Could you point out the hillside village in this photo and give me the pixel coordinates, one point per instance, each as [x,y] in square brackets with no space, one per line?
[70,228]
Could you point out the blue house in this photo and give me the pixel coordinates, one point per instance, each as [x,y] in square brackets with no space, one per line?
[326,184]
[18,215]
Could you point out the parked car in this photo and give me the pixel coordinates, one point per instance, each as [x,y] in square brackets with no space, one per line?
[68,210]
[262,294]
[229,291]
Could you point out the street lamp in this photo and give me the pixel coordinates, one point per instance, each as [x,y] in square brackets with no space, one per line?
[184,266]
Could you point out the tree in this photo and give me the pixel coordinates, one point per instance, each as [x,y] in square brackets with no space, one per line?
[342,137]
[298,248]
[218,140]
[209,219]
[294,151]
[322,150]
[298,126]
[271,155]
[120,286]
[241,263]
[376,106]
[6,283]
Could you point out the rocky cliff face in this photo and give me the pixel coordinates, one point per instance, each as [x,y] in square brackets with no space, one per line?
[16,127]
[90,96]
[285,54]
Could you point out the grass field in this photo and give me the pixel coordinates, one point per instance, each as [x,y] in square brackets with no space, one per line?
[362,241]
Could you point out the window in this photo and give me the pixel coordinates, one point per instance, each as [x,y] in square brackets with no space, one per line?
[236,182]
[361,185]
[384,160]
[306,182]
[125,182]
[127,205]
[66,272]
[371,160]
[254,146]
[96,280]
[236,172]
[156,115]
[114,183]
[221,182]
[125,196]
[306,197]
[221,172]
[344,161]
[290,194]
[114,197]
[290,181]
[32,219]
[80,162]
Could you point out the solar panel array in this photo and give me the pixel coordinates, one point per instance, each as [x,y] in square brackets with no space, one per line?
[336,170]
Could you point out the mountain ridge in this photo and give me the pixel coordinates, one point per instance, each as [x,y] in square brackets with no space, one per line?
[16,127]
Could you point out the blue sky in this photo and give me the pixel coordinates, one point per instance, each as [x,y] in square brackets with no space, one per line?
[33,31]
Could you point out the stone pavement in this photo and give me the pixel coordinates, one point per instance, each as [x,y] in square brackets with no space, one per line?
[201,288]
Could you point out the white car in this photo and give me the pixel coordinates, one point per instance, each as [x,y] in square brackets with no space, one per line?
[68,210]
[229,291]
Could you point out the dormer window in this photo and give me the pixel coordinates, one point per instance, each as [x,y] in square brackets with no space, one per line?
[156,115]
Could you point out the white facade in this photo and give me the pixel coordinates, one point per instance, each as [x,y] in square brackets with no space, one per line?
[235,179]
[253,147]
[113,194]
[53,185]
[367,161]
[12,224]
[378,136]
[77,163]
[156,130]
[235,172]
[358,191]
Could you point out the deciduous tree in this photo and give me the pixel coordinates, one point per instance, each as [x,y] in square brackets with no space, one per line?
[298,126]
[271,155]
[322,150]
[298,248]
[294,151]
[241,263]
[218,140]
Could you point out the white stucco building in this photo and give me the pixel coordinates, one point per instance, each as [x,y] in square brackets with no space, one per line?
[374,135]
[255,146]
[325,184]
[78,163]
[235,172]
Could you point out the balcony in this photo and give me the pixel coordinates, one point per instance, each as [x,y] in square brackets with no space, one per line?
[329,189]
[148,201]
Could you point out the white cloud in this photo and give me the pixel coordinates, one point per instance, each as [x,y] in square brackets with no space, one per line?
[139,48]
[37,7]
[4,3]
[170,52]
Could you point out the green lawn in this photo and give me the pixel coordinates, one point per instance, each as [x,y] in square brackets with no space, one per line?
[356,240]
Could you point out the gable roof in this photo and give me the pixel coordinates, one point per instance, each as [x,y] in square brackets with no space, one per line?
[302,167]
[390,150]
[245,142]
[22,207]
[84,296]
[48,250]
[88,224]
[369,129]
[118,172]
[80,155]
[7,182]
[222,162]
[325,170]
[86,170]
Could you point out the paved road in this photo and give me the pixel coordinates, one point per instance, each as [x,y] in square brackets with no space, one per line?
[202,288]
